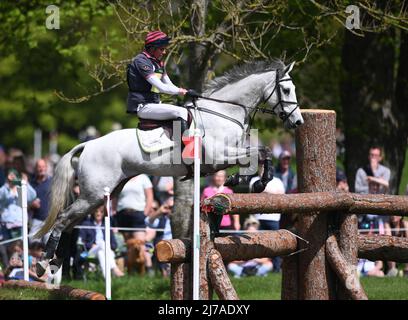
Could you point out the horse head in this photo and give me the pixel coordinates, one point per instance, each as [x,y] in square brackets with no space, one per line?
[281,97]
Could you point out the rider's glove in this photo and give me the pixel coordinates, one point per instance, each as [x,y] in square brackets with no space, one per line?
[192,93]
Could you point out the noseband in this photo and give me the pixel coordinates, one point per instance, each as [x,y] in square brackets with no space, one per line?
[280,101]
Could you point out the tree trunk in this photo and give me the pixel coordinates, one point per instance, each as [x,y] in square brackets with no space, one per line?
[198,62]
[316,165]
[346,272]
[371,114]
[181,227]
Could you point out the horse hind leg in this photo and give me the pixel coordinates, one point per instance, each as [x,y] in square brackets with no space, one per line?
[66,219]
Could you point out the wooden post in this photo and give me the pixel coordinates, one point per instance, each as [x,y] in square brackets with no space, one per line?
[205,247]
[181,281]
[316,172]
[348,237]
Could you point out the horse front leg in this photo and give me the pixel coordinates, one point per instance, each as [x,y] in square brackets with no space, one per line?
[246,173]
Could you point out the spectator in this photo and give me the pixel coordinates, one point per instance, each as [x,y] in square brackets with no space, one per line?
[369,268]
[19,163]
[10,210]
[374,179]
[284,172]
[35,254]
[151,235]
[397,227]
[259,266]
[14,270]
[270,221]
[216,187]
[41,183]
[341,181]
[94,241]
[160,219]
[163,188]
[133,205]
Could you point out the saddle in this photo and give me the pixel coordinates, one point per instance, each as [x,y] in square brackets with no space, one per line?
[157,135]
[150,124]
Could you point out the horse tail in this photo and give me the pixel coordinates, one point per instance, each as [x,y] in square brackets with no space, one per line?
[61,188]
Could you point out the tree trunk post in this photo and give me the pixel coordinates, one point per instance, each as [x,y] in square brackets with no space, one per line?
[316,168]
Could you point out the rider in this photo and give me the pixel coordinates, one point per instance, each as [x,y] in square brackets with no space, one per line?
[147,77]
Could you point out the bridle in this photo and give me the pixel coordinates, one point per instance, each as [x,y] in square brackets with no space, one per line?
[284,115]
[248,120]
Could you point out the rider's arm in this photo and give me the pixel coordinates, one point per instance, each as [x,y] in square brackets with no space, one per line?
[167,81]
[163,87]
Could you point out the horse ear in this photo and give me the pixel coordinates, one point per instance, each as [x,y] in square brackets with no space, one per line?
[288,68]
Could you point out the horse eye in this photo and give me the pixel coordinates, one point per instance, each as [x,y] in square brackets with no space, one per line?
[286,91]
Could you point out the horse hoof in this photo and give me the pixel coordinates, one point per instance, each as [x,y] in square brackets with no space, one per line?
[40,268]
[55,264]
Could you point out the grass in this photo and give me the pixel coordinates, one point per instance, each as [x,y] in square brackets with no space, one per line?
[251,288]
[28,294]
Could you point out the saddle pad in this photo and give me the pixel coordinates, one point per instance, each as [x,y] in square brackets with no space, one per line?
[153,140]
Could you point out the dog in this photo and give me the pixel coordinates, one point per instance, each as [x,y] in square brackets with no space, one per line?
[136,256]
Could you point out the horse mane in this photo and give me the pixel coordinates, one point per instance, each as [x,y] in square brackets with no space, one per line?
[242,71]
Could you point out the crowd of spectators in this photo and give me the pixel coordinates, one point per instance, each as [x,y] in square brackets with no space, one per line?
[141,217]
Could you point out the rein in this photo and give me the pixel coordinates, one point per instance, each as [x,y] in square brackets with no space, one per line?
[249,119]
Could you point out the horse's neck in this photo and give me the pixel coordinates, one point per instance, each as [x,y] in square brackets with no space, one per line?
[247,91]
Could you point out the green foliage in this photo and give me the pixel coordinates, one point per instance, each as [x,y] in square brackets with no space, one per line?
[35,62]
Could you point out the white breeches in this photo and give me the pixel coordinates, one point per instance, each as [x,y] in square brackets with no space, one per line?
[99,252]
[161,111]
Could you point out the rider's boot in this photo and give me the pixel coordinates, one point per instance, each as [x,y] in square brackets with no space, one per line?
[185,140]
[183,126]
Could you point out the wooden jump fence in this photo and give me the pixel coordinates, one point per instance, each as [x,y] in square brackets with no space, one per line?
[319,242]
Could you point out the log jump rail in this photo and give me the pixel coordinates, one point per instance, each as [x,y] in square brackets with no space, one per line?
[320,244]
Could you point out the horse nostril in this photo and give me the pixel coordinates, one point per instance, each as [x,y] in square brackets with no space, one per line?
[299,122]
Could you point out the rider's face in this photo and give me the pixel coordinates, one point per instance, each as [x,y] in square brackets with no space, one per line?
[159,53]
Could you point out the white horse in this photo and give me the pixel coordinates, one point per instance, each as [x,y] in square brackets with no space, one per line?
[111,160]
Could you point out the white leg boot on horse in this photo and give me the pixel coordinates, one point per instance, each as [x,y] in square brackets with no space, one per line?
[259,185]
